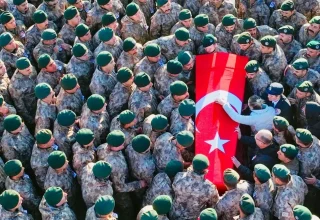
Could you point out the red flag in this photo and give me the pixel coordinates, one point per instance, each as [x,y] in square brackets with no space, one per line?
[218,75]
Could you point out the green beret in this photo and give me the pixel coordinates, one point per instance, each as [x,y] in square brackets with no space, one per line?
[43,136]
[72,2]
[12,167]
[57,159]
[103,2]
[249,23]
[104,58]
[124,74]
[159,122]
[289,150]
[173,167]
[208,214]
[42,90]
[302,213]
[128,44]
[49,34]
[9,199]
[262,173]
[84,136]
[182,34]
[174,67]
[185,138]
[108,18]
[70,12]
[5,17]
[315,20]
[230,177]
[280,123]
[305,86]
[185,14]
[66,118]
[5,39]
[79,50]
[208,40]
[201,20]
[151,214]
[95,102]
[142,79]
[162,204]
[132,9]
[1,100]
[115,138]
[300,64]
[161,3]
[314,44]
[228,20]
[152,50]
[244,38]
[39,16]
[184,57]
[268,41]
[104,205]
[126,117]
[286,29]
[23,63]
[247,204]
[69,81]
[200,162]
[304,135]
[275,89]
[44,60]
[280,171]
[12,122]
[53,195]
[101,169]
[287,6]
[178,88]
[18,2]
[82,30]
[105,34]
[141,143]
[187,107]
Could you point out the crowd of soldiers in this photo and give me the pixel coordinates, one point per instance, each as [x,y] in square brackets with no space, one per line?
[97,110]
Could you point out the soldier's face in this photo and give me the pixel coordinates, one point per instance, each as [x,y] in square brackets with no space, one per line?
[154,59]
[253,32]
[266,50]
[113,25]
[211,48]
[107,6]
[75,21]
[314,29]
[11,45]
[78,4]
[299,73]
[285,38]
[286,14]
[311,53]
[86,37]
[179,98]
[133,51]
[251,75]
[23,7]
[189,65]
[11,24]
[72,91]
[137,16]
[51,67]
[53,3]
[244,46]
[273,98]
[182,43]
[187,23]
[281,155]
[50,97]
[230,28]
[129,82]
[166,8]
[63,200]
[204,28]
[26,72]
[301,95]
[43,25]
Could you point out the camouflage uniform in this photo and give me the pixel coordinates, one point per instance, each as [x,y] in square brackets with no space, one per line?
[55,13]
[18,33]
[8,6]
[257,215]
[3,176]
[128,60]
[45,115]
[148,8]
[194,6]
[179,25]
[225,38]
[4,88]
[18,215]
[129,133]
[179,123]
[26,18]
[12,110]
[197,35]
[65,137]
[115,49]
[103,83]
[305,37]
[68,33]
[277,56]
[167,105]
[51,213]
[218,49]
[134,29]
[288,196]
[144,65]
[263,197]
[259,83]
[314,63]
[162,81]
[264,30]
[92,187]
[81,157]
[89,44]
[147,130]
[227,205]
[289,49]
[84,11]
[293,166]
[97,123]
[296,20]
[193,193]
[69,101]
[253,52]
[96,40]
[308,8]
[258,10]
[91,215]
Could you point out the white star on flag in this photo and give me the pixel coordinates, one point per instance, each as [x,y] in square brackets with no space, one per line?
[217,142]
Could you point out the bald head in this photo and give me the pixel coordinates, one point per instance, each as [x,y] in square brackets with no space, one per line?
[263,138]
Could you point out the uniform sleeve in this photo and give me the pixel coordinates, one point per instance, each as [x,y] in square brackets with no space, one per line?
[155,28]
[272,22]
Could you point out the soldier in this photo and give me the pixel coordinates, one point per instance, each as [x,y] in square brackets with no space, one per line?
[210,45]
[5,110]
[311,53]
[132,53]
[67,32]
[287,155]
[4,83]
[103,207]
[121,93]
[200,29]
[151,62]
[65,130]
[188,62]
[207,194]
[162,205]
[181,117]
[82,6]
[134,24]
[165,17]
[310,31]
[15,27]
[225,30]
[54,9]
[243,44]
[286,41]
[257,32]
[194,6]
[147,7]
[19,181]
[54,205]
[154,126]
[81,65]
[39,158]
[291,191]
[300,211]
[24,12]
[53,46]
[309,9]
[257,10]
[287,15]
[185,20]
[33,34]
[248,210]
[264,189]
[16,142]
[272,53]
[83,36]
[95,117]
[179,92]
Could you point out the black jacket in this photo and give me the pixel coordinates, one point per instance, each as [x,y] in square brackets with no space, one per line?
[285,108]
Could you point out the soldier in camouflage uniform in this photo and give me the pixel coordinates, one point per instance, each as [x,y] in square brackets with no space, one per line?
[82,6]
[287,155]
[200,29]
[24,12]
[181,117]
[147,7]
[154,126]
[95,117]
[283,132]
[3,176]
[4,83]
[134,24]
[247,209]
[15,27]
[257,10]
[210,45]
[185,20]
[5,110]
[103,207]
[205,192]
[83,36]
[310,31]
[54,9]
[257,32]
[244,45]
[187,75]
[308,8]
[312,54]
[194,6]
[7,5]
[67,32]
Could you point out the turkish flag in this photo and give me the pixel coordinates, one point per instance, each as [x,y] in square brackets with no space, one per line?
[218,75]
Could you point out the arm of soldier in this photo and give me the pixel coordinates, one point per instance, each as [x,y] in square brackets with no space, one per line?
[285,210]
[21,107]
[36,53]
[121,186]
[214,198]
[155,28]
[272,21]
